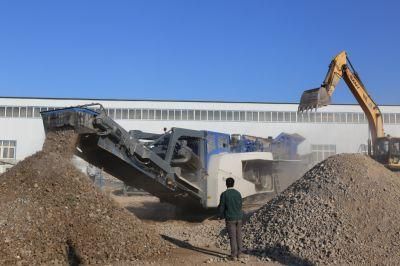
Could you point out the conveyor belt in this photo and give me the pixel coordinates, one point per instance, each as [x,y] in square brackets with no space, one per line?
[109,147]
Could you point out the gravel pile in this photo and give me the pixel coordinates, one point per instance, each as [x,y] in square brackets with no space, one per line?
[50,213]
[346,210]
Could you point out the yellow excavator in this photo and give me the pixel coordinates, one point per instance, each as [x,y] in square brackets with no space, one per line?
[383,148]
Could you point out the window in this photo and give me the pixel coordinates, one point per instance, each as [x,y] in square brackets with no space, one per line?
[287,116]
[337,117]
[324,117]
[2,111]
[178,115]
[118,113]
[398,118]
[151,114]
[242,116]
[216,115]
[303,117]
[9,112]
[184,115]
[274,116]
[330,117]
[385,118]
[191,115]
[229,115]
[318,117]
[124,113]
[36,112]
[145,114]
[158,115]
[171,114]
[15,111]
[261,116]
[249,116]
[30,112]
[293,116]
[164,114]
[111,113]
[8,149]
[300,117]
[255,116]
[355,117]
[197,114]
[349,118]
[362,118]
[312,117]
[223,115]
[138,114]
[203,115]
[23,112]
[343,117]
[320,152]
[392,118]
[306,117]
[236,116]
[131,113]
[280,116]
[268,116]
[210,115]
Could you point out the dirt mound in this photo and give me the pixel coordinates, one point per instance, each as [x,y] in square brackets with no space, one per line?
[51,213]
[343,211]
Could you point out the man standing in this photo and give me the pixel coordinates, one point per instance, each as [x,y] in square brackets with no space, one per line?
[230,208]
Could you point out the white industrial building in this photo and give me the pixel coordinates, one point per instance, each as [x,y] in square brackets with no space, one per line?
[332,129]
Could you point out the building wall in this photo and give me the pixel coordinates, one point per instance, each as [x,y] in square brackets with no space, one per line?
[341,126]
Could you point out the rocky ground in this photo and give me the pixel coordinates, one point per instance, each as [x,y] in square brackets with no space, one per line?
[343,211]
[52,214]
[194,240]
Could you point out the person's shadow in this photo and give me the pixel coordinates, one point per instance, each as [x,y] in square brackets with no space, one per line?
[189,246]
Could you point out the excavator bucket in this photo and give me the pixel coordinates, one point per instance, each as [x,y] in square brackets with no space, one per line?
[314,98]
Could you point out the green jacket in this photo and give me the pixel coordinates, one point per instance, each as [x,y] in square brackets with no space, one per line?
[230,205]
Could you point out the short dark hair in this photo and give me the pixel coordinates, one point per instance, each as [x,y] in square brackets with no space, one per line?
[230,182]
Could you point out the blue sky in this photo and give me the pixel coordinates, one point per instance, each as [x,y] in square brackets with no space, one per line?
[195,50]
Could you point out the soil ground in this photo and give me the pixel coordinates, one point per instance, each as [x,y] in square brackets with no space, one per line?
[163,215]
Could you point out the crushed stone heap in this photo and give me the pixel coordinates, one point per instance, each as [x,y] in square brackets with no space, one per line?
[50,213]
[345,210]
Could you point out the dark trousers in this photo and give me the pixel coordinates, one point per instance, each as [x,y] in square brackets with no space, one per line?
[235,236]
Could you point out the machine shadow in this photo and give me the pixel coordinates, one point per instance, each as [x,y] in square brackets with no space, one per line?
[161,212]
[283,256]
[186,245]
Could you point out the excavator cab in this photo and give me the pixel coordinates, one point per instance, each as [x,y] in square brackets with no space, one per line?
[314,98]
[394,154]
[387,152]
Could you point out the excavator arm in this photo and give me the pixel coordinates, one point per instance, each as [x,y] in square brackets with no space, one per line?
[341,67]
